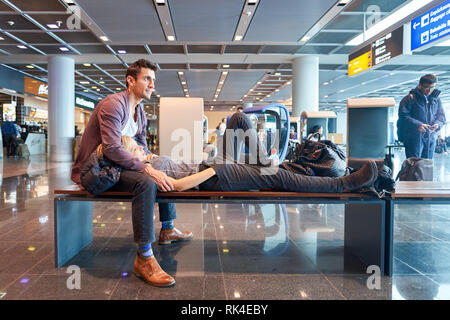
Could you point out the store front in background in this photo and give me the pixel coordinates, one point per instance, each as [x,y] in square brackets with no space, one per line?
[35,116]
[83,111]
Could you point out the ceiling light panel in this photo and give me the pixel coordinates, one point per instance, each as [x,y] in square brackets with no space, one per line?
[162,8]
[245,19]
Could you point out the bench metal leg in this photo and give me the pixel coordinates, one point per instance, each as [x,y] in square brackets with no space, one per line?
[73,228]
[365,234]
[389,249]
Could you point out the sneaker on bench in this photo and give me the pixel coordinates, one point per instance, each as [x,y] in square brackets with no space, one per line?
[174,235]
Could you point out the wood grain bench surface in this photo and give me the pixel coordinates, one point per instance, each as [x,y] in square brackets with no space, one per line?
[75,190]
[421,189]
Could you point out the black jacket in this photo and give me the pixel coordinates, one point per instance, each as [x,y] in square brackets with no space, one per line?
[99,174]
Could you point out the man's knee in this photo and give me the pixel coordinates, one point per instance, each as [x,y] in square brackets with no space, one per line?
[146,183]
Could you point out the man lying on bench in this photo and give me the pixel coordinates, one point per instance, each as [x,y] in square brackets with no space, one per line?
[222,176]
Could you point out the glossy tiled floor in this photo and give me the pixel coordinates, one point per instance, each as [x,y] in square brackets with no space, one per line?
[239,251]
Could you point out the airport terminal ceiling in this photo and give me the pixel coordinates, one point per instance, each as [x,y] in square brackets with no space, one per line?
[227,52]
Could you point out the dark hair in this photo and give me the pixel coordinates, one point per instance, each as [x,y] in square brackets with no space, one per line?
[240,108]
[135,68]
[428,79]
[314,129]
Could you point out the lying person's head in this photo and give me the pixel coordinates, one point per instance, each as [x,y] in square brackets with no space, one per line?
[130,145]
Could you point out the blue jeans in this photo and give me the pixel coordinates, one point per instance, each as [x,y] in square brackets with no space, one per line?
[421,146]
[144,189]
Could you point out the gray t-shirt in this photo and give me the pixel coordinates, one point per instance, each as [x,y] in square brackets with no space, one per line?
[176,169]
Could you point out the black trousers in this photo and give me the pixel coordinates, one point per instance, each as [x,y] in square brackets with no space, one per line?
[243,177]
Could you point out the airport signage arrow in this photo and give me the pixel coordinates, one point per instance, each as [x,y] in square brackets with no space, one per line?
[431,26]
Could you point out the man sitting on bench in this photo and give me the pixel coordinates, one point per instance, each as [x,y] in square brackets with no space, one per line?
[122,114]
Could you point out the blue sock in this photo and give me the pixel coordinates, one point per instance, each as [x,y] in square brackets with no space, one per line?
[145,250]
[167,224]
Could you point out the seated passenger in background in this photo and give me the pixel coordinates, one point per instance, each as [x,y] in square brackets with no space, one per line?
[441,145]
[315,134]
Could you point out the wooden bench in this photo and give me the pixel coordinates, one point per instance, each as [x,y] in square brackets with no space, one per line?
[364,235]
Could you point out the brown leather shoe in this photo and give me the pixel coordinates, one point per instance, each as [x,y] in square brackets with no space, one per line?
[173,235]
[150,271]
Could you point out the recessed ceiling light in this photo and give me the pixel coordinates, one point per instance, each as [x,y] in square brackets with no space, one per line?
[121,51]
[278,73]
[288,82]
[94,87]
[118,89]
[238,38]
[69,1]
[252,1]
[160,1]
[225,66]
[326,83]
[102,82]
[183,82]
[104,38]
[98,89]
[180,73]
[341,90]
[99,98]
[225,72]
[52,26]
[21,46]
[63,49]
[84,82]
[85,90]
[306,38]
[2,38]
[30,67]
[171,38]
[86,64]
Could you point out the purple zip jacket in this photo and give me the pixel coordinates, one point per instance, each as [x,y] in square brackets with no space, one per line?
[105,126]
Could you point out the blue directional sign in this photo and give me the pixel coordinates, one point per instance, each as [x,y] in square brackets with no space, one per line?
[431,26]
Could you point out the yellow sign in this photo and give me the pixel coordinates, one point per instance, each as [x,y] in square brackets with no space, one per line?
[359,64]
[35,87]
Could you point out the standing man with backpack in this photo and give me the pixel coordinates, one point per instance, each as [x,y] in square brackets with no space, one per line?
[420,117]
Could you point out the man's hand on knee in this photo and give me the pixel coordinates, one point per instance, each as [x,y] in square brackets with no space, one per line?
[162,180]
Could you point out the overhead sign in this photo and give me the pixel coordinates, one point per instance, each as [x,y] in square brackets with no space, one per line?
[381,50]
[360,61]
[431,26]
[35,87]
[387,47]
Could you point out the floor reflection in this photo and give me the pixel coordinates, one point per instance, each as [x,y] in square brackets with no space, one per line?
[239,251]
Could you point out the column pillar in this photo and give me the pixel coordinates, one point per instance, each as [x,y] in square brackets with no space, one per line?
[61,107]
[305,84]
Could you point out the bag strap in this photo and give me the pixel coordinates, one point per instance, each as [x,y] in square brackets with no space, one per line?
[314,135]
